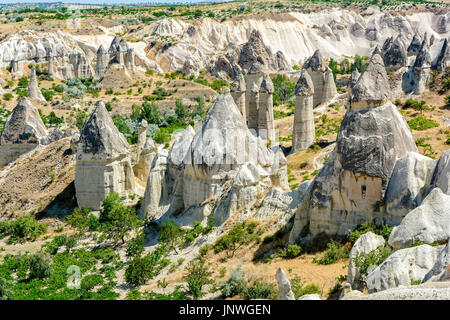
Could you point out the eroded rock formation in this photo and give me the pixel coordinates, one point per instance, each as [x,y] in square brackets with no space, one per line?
[103,161]
[322,78]
[23,132]
[349,189]
[304,133]
[33,88]
[219,171]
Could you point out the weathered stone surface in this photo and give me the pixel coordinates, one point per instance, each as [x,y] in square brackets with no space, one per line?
[281,204]
[402,267]
[24,125]
[284,286]
[441,175]
[366,243]
[443,59]
[254,80]
[156,197]
[423,59]
[238,89]
[440,270]
[322,78]
[100,139]
[354,78]
[314,296]
[357,30]
[348,294]
[145,160]
[409,184]
[395,54]
[225,169]
[370,142]
[372,88]
[316,62]
[414,46]
[303,133]
[23,131]
[81,68]
[33,88]
[409,293]
[254,50]
[266,128]
[442,24]
[102,62]
[103,162]
[429,222]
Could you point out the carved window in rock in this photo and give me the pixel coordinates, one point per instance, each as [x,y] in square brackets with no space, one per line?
[363,191]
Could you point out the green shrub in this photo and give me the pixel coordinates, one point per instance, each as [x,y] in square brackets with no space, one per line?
[7,96]
[299,289]
[136,246]
[89,282]
[235,284]
[170,234]
[333,254]
[374,258]
[421,123]
[380,229]
[5,289]
[22,229]
[292,251]
[283,89]
[117,219]
[416,105]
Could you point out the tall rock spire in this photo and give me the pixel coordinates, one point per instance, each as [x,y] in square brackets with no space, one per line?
[33,89]
[304,133]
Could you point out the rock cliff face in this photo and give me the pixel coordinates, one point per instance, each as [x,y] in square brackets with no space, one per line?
[238,92]
[23,131]
[429,222]
[395,54]
[417,79]
[103,163]
[219,171]
[349,189]
[336,32]
[419,191]
[410,183]
[365,244]
[403,267]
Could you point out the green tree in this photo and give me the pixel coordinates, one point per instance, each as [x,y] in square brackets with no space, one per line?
[283,89]
[139,271]
[197,276]
[136,245]
[117,219]
[180,109]
[171,234]
[150,112]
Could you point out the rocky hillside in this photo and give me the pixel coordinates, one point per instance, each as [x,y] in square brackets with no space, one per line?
[226,153]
